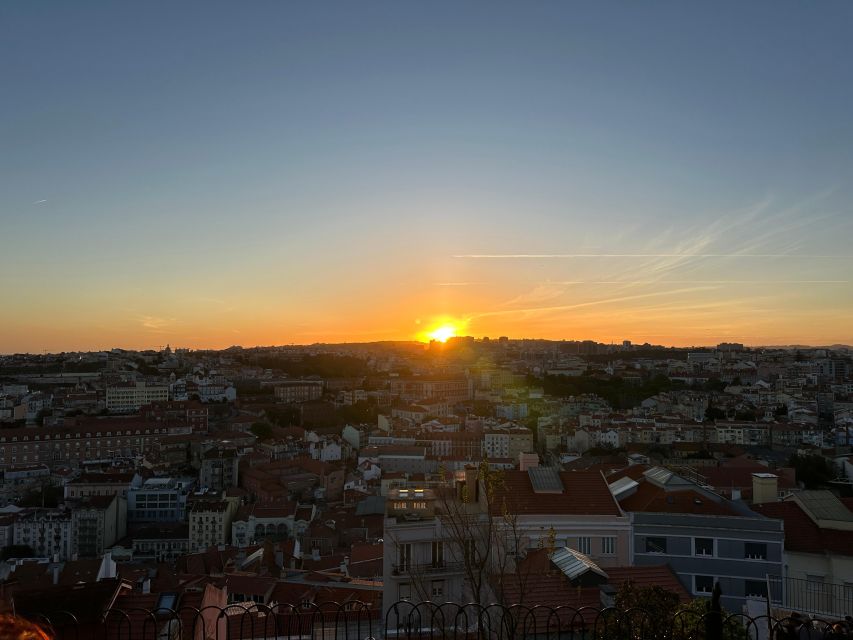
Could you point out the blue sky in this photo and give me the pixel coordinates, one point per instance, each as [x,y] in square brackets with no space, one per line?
[314,169]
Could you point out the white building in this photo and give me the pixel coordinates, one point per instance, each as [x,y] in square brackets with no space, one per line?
[129,397]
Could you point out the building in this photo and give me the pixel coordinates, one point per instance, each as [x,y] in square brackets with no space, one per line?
[158,499]
[129,397]
[219,468]
[704,537]
[98,484]
[298,391]
[46,531]
[818,574]
[162,542]
[420,559]
[210,523]
[255,523]
[97,522]
[575,509]
[76,443]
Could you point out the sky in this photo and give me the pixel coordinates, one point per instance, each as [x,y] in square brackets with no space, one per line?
[207,174]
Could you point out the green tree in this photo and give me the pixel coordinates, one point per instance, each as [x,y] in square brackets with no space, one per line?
[261,430]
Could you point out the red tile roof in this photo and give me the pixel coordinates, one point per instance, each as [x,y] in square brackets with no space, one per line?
[584,493]
[801,532]
[653,499]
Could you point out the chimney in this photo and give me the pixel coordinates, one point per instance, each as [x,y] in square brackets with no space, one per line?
[765,488]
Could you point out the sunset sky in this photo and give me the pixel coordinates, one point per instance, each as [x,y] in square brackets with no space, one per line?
[207,174]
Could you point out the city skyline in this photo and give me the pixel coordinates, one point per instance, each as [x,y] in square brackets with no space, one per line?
[210,175]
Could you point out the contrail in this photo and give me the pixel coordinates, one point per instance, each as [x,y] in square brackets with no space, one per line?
[501,256]
[641,282]
[590,303]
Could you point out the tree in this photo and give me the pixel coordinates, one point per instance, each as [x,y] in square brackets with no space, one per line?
[477,533]
[655,612]
[814,471]
[261,430]
[16,551]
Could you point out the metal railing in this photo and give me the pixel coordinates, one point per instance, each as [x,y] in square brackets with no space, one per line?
[407,620]
[810,596]
[414,569]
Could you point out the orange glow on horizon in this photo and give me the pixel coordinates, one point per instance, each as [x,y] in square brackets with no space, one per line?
[443,333]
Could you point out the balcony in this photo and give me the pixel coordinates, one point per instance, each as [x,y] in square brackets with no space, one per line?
[429,568]
[810,596]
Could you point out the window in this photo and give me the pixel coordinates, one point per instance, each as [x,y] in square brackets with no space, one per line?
[437,591]
[608,546]
[755,550]
[437,553]
[703,584]
[405,592]
[470,552]
[755,589]
[655,545]
[703,546]
[585,545]
[404,556]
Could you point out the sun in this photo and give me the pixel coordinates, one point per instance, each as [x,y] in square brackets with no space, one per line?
[443,333]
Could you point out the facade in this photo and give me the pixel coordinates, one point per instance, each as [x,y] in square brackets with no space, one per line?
[159,500]
[420,561]
[219,469]
[99,484]
[130,396]
[574,508]
[255,523]
[818,549]
[298,391]
[210,524]
[161,542]
[46,531]
[97,522]
[704,537]
[94,440]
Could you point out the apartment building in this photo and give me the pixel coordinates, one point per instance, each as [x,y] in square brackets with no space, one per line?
[704,537]
[97,522]
[210,523]
[298,391]
[159,499]
[219,469]
[76,443]
[129,397]
[46,531]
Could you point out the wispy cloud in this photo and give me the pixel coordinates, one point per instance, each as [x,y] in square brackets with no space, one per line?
[39,201]
[156,323]
[551,256]
[589,303]
[541,293]
[732,282]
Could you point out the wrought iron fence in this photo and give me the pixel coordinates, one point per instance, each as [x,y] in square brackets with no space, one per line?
[406,620]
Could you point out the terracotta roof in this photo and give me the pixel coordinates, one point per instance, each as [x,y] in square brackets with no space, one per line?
[801,532]
[584,493]
[653,499]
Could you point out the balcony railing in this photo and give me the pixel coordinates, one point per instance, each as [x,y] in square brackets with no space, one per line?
[811,596]
[405,620]
[430,567]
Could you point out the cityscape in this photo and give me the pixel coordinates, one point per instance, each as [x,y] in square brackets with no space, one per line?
[491,321]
